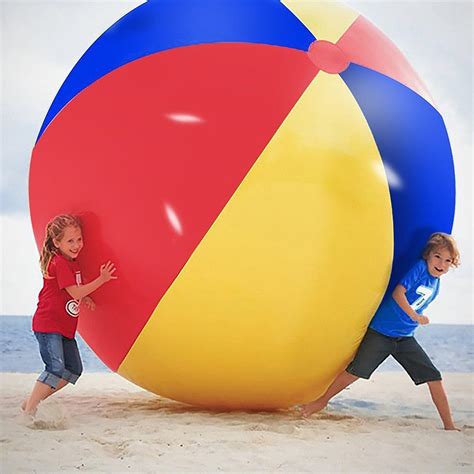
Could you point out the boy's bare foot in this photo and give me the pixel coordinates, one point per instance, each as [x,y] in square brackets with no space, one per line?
[312,407]
[451,428]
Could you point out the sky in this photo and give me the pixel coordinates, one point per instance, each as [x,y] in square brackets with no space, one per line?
[41,41]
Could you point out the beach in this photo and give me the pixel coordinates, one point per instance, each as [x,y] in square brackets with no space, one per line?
[107,424]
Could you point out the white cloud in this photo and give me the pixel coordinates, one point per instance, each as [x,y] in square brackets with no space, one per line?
[41,43]
[20,278]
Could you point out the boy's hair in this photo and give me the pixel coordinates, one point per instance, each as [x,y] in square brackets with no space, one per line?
[55,231]
[442,240]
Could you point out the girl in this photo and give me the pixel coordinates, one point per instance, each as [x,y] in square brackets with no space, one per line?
[391,330]
[55,319]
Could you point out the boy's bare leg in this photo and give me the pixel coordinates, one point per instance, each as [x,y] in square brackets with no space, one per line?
[40,392]
[343,380]
[440,400]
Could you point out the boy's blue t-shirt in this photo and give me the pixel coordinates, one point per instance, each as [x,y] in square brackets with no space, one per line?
[421,289]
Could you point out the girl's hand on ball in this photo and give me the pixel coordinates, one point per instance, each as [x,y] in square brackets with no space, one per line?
[89,302]
[107,271]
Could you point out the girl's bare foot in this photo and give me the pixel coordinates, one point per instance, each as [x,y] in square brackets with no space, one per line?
[23,408]
[313,407]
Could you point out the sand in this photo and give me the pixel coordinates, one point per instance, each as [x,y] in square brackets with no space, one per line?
[106,424]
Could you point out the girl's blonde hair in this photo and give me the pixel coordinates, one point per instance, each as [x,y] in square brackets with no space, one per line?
[55,231]
[441,240]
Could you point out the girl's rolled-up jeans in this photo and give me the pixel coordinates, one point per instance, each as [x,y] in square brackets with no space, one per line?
[61,358]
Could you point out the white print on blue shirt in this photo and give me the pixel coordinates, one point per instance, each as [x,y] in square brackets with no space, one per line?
[421,289]
[425,293]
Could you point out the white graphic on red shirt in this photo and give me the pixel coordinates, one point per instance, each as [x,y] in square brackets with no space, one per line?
[72,308]
[78,279]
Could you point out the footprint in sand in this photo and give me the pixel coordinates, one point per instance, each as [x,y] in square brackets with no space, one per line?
[333,417]
[275,428]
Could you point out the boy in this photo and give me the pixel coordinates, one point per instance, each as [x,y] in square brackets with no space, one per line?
[391,330]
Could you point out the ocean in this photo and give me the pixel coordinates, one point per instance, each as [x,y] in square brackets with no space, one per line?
[450,346]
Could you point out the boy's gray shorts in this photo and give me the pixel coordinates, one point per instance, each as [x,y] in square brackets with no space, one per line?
[376,347]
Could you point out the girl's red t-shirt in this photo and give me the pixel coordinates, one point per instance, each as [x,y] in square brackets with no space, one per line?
[57,310]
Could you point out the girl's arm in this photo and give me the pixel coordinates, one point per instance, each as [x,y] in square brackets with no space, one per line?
[106,274]
[400,298]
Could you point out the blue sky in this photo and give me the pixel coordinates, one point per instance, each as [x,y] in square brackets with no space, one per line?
[42,41]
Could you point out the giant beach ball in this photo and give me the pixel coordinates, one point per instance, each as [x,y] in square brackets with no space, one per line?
[261,173]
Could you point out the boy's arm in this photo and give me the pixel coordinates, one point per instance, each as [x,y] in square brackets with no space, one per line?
[400,298]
